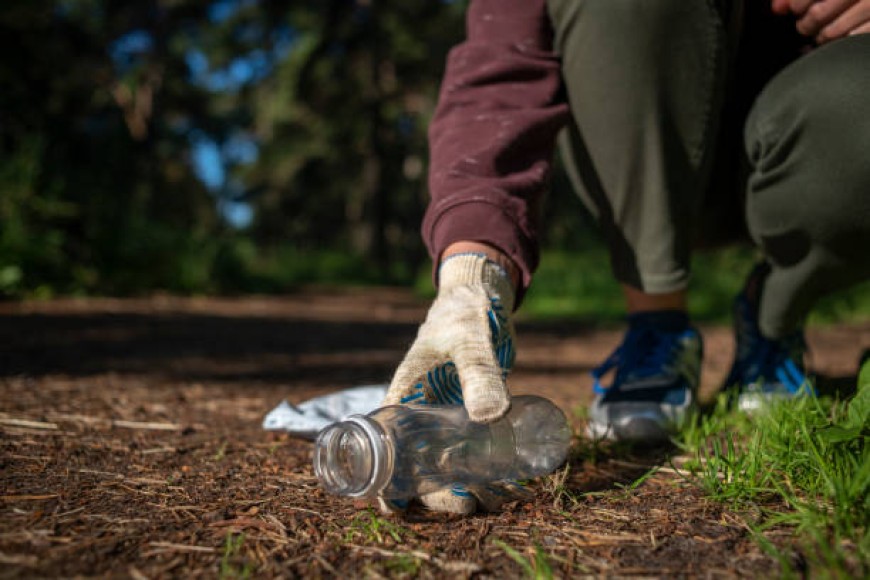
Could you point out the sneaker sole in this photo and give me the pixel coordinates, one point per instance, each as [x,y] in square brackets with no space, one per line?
[633,430]
[638,424]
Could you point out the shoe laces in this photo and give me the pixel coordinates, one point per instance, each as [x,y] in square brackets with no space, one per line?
[761,358]
[645,352]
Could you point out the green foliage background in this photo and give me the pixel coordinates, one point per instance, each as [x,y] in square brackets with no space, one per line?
[99,192]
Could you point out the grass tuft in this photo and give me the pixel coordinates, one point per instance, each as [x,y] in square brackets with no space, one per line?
[372,528]
[402,566]
[536,567]
[802,463]
[230,566]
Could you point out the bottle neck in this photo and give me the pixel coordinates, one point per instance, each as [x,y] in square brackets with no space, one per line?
[353,458]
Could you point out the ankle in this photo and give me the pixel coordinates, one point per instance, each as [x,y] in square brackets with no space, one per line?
[639,301]
[663,320]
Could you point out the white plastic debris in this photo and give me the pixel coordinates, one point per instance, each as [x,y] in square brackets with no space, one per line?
[307,418]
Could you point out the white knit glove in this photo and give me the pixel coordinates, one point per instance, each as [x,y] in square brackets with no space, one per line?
[465,348]
[462,355]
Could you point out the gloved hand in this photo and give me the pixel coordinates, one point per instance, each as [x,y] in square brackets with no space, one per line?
[462,355]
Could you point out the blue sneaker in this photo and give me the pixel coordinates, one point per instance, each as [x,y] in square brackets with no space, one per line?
[764,369]
[657,371]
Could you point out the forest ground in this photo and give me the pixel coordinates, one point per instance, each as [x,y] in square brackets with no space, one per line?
[132,447]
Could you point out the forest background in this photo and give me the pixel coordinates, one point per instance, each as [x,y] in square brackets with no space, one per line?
[252,146]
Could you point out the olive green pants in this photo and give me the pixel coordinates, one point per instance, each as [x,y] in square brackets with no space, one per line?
[694,119]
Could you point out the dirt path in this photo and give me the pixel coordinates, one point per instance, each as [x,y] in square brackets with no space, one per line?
[131,447]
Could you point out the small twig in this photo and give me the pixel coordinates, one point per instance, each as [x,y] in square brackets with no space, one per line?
[158,450]
[326,565]
[28,497]
[31,431]
[79,418]
[675,471]
[611,514]
[134,490]
[18,560]
[589,537]
[37,458]
[145,481]
[250,502]
[391,553]
[28,424]
[88,420]
[98,472]
[147,425]
[449,565]
[182,547]
[307,511]
[113,520]
[69,513]
[180,508]
[241,523]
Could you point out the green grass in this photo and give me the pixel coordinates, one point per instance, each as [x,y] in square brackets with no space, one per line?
[803,464]
[230,566]
[370,527]
[221,452]
[403,565]
[535,567]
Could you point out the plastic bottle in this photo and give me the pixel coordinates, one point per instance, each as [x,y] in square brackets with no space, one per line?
[405,451]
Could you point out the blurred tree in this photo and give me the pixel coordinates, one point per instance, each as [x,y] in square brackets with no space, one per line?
[343,122]
[122,123]
[96,191]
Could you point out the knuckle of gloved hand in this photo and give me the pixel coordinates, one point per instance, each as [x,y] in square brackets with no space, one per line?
[466,295]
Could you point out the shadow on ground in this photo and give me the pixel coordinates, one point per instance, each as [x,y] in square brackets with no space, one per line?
[338,338]
[203,347]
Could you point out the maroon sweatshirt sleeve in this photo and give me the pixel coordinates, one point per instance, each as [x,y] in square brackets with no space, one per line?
[492,137]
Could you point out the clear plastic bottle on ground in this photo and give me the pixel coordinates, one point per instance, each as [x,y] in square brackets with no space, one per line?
[406,451]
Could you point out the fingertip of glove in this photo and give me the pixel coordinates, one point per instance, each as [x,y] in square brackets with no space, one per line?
[455,500]
[487,411]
